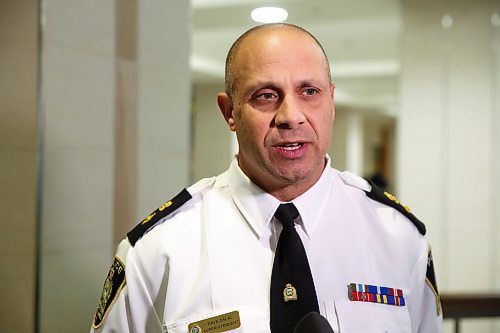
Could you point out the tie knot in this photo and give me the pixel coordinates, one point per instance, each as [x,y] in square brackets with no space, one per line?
[287,214]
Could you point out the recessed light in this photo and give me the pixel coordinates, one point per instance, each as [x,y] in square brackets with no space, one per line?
[269,14]
[447,21]
[495,20]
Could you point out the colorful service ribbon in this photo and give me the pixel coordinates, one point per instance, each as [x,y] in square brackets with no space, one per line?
[376,294]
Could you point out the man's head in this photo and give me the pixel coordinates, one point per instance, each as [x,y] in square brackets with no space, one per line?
[229,81]
[279,101]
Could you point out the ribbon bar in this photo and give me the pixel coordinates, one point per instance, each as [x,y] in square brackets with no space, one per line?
[376,294]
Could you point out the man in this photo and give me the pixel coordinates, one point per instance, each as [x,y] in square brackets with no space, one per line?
[205,261]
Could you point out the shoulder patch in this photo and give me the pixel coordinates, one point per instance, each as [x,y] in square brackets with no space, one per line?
[112,287]
[377,194]
[164,210]
[430,279]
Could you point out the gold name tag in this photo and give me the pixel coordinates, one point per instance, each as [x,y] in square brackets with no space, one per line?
[225,322]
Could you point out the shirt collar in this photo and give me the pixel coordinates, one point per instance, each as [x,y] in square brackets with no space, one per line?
[258,206]
[312,203]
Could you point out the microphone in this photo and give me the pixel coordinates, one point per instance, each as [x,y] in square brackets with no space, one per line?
[313,322]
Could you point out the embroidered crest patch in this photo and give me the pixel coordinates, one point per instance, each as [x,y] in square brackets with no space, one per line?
[112,286]
[430,279]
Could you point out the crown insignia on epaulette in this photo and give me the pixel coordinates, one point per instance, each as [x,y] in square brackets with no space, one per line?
[164,210]
[394,199]
[377,194]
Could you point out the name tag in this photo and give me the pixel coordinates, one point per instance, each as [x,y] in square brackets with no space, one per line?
[224,322]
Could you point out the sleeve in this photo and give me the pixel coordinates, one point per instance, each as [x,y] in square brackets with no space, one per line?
[112,310]
[125,304]
[426,314]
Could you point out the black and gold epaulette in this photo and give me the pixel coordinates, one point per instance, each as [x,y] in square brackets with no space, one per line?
[164,210]
[388,199]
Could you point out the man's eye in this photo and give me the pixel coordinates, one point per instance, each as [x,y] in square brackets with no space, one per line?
[266,96]
[310,91]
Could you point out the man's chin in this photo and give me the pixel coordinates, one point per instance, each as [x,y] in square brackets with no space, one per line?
[299,173]
[291,176]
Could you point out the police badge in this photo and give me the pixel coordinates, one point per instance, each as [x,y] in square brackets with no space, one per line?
[289,293]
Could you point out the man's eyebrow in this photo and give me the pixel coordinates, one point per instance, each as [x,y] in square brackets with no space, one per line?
[265,85]
[261,85]
[308,83]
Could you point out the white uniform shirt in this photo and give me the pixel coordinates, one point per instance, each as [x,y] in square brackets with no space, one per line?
[214,255]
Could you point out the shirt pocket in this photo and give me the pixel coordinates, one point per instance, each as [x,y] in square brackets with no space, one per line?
[364,317]
[253,319]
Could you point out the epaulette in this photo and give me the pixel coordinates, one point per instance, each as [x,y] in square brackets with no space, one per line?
[377,194]
[164,210]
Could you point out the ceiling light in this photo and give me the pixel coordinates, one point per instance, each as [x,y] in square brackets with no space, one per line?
[447,21]
[269,14]
[495,20]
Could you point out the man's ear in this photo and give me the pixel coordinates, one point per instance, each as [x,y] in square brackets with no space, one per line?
[226,108]
[332,90]
[332,94]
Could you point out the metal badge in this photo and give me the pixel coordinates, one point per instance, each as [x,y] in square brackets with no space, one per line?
[289,293]
[195,329]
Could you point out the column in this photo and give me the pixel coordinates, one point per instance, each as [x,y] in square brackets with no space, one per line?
[78,80]
[117,102]
[18,162]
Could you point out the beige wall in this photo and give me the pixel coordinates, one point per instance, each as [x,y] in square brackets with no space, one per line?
[338,147]
[448,139]
[211,135]
[18,141]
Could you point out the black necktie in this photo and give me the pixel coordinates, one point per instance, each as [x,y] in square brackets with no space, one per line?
[292,287]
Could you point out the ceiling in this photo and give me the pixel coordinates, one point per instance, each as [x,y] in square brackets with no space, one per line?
[360,37]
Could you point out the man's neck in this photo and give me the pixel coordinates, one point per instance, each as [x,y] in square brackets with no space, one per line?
[287,191]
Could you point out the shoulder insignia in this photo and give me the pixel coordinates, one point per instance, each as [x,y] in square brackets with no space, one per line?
[112,286]
[377,194]
[430,279]
[164,210]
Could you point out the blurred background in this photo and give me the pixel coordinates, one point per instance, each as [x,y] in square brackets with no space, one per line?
[107,109]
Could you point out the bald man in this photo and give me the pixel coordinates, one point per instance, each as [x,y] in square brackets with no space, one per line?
[221,257]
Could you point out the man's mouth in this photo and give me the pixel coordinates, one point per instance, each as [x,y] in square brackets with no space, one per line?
[292,146]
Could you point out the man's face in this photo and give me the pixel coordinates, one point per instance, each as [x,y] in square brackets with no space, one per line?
[282,110]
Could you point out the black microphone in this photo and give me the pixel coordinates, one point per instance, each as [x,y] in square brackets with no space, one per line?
[313,322]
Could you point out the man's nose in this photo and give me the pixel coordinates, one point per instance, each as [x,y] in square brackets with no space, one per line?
[289,114]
